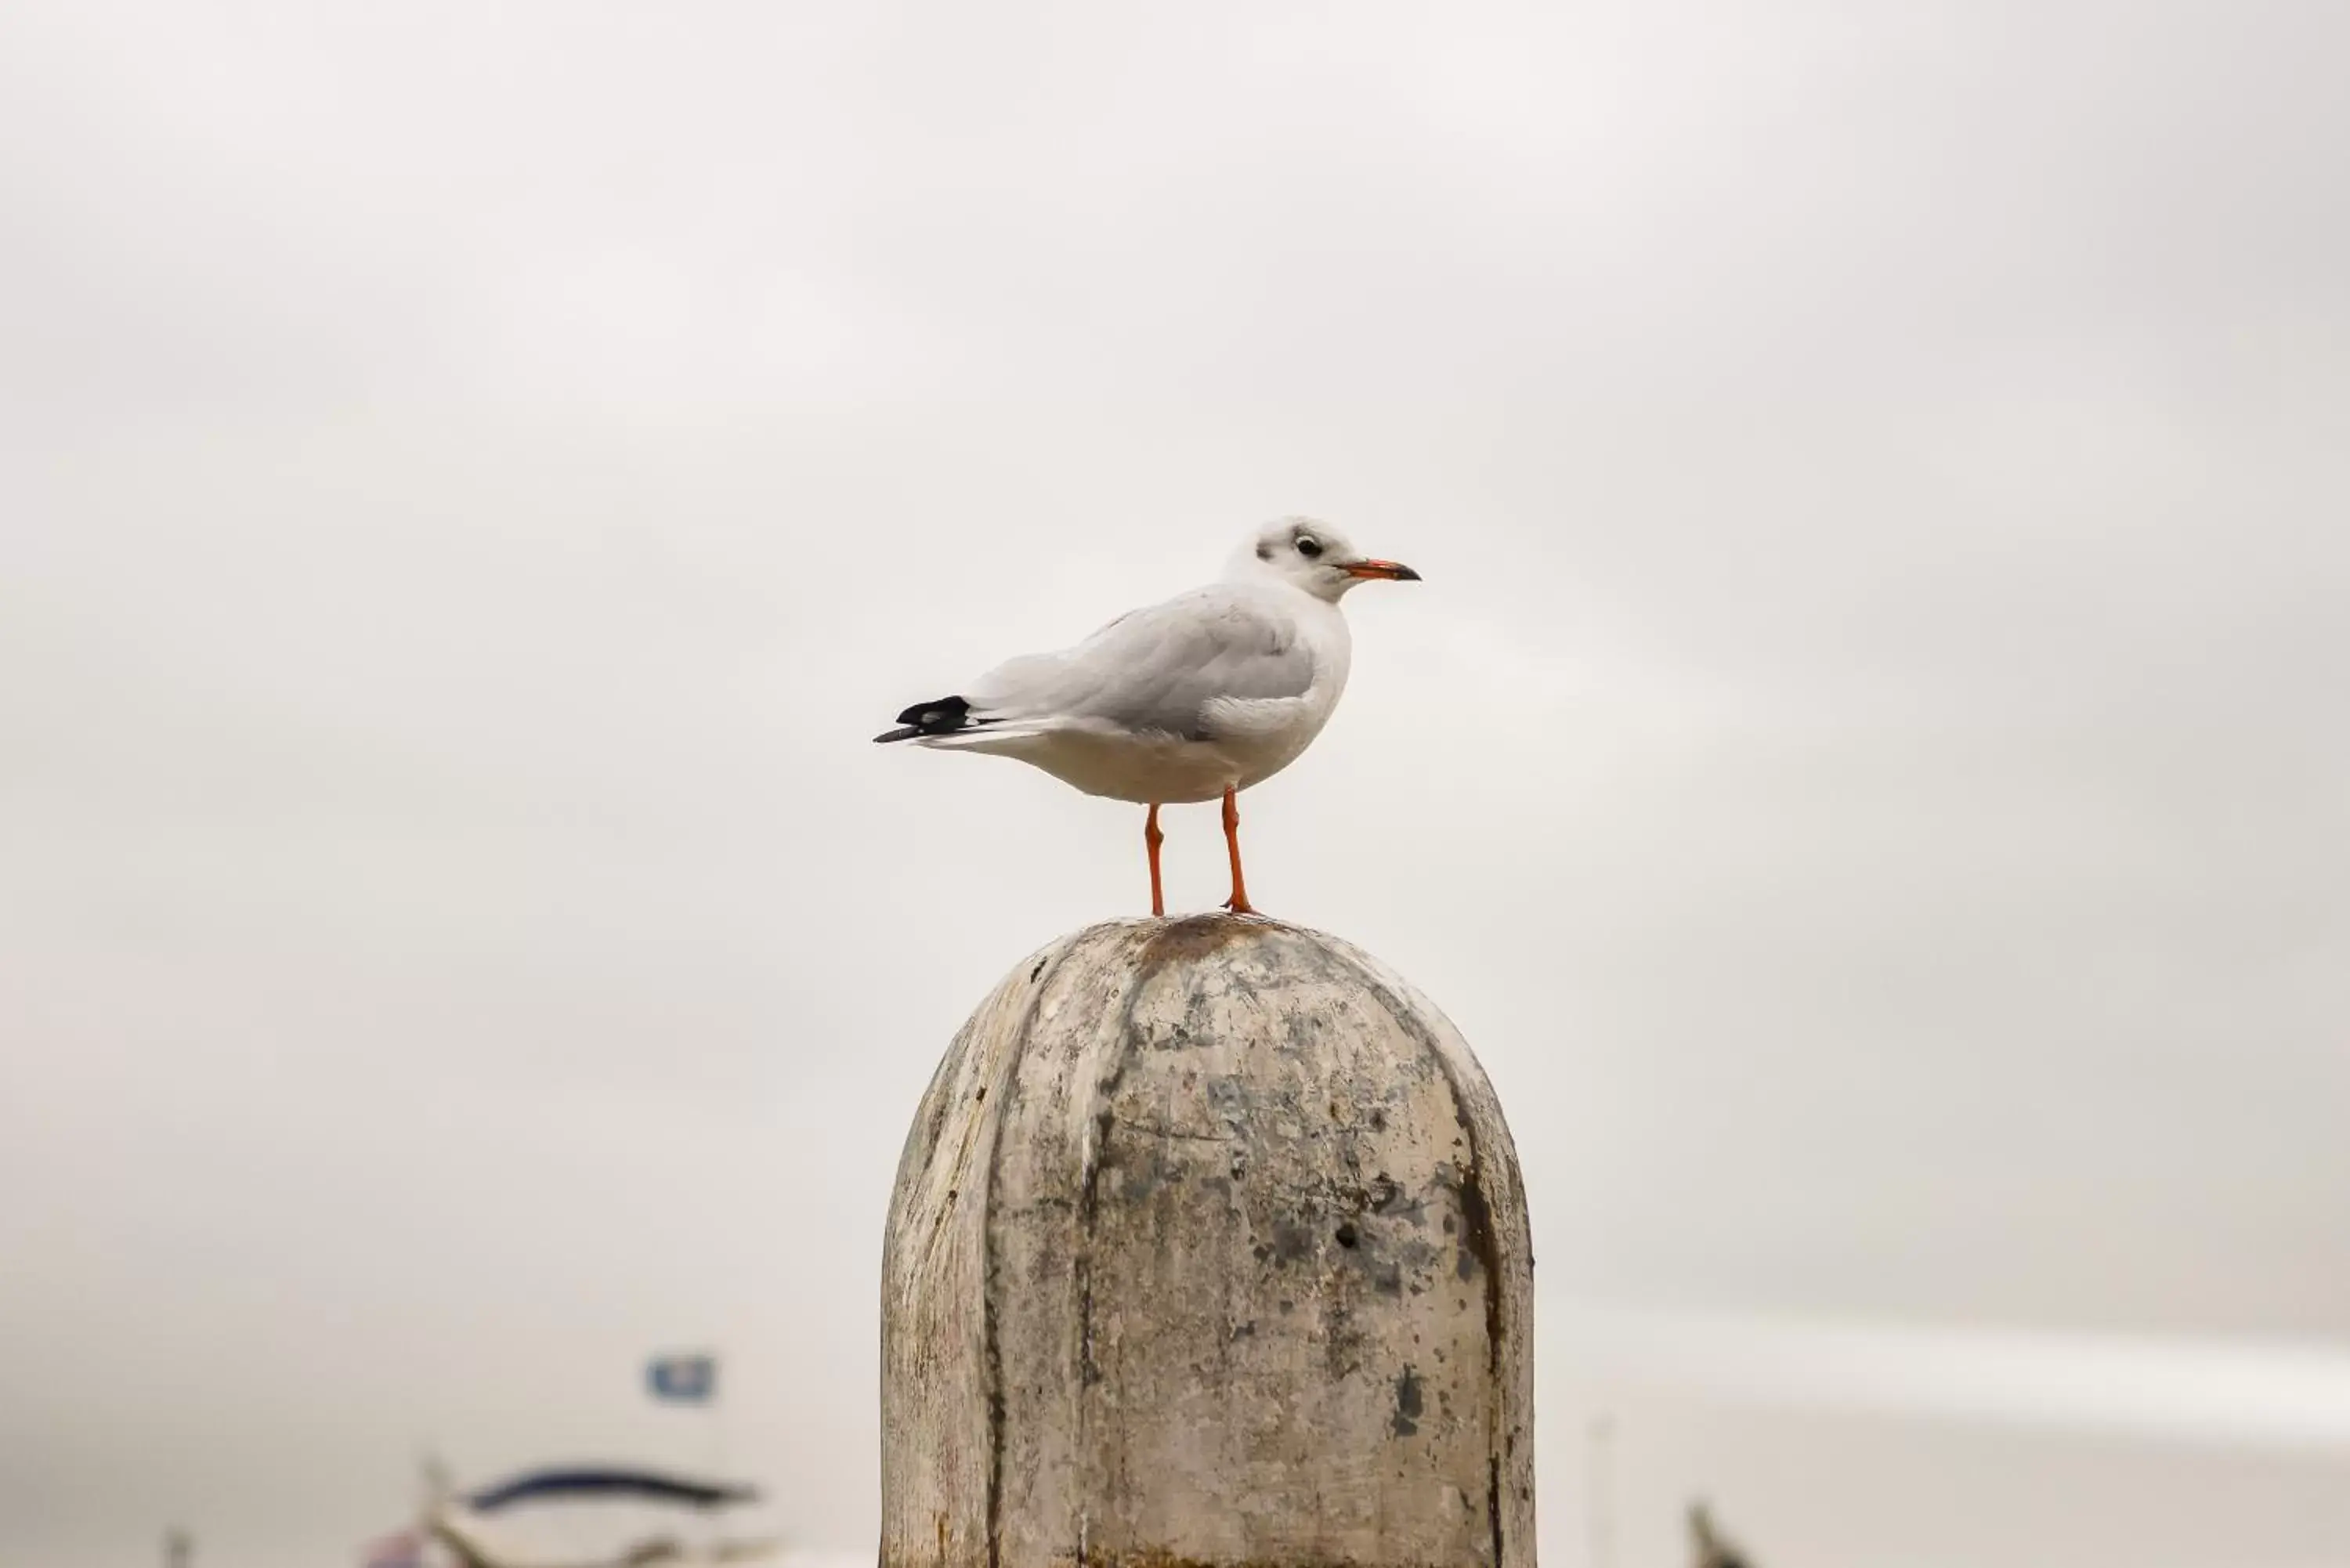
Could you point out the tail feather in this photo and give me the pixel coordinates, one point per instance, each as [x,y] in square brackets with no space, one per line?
[940,716]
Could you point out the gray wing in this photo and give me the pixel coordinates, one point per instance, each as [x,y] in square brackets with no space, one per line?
[1185,668]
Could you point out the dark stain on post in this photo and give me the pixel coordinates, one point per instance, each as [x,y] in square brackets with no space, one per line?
[991,1343]
[1493,1502]
[1477,1240]
[1408,1405]
[1192,937]
[992,1350]
[940,1104]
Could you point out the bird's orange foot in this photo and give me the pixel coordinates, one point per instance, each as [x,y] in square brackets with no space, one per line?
[1239,906]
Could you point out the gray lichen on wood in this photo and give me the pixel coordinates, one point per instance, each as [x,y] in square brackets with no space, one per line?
[1208,1246]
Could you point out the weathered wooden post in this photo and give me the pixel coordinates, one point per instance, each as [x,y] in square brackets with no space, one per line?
[1208,1247]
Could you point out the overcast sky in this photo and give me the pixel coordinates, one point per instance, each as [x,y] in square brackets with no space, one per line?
[1867,766]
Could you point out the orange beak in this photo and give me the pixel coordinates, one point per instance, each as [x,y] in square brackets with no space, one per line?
[1393,571]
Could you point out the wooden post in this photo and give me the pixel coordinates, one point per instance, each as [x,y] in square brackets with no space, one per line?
[1208,1247]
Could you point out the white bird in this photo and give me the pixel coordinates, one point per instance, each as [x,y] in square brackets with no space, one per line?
[1201,696]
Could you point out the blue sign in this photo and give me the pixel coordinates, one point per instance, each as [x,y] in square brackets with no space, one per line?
[688,1379]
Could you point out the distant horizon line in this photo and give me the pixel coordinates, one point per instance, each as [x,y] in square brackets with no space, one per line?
[2209,1390]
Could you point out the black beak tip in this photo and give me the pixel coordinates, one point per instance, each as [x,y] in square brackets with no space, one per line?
[1406,575]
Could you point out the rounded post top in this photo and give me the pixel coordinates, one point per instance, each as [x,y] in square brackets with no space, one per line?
[1208,1245]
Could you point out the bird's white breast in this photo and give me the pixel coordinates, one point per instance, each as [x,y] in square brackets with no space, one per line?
[1250,740]
[1244,741]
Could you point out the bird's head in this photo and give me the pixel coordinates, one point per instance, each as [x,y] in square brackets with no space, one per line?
[1314,556]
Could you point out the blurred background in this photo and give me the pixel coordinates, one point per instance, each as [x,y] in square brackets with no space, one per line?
[1866,769]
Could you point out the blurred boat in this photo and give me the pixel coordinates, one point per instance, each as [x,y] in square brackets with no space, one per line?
[583,1516]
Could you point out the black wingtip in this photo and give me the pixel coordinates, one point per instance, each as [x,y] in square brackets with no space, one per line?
[941,716]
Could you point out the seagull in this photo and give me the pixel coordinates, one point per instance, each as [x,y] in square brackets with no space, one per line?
[1199,697]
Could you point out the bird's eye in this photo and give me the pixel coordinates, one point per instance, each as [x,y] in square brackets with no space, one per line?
[1309,546]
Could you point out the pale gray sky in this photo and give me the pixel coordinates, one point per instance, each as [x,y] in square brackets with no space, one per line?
[1866,768]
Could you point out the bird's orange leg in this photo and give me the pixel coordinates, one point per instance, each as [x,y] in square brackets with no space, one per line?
[1151,839]
[1238,903]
